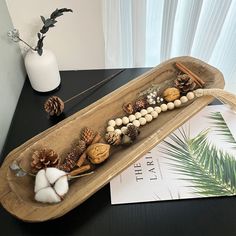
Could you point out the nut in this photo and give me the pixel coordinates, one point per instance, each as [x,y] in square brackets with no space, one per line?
[171,94]
[98,152]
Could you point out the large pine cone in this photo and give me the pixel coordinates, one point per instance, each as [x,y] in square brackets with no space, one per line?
[44,158]
[184,83]
[140,104]
[87,135]
[132,132]
[54,106]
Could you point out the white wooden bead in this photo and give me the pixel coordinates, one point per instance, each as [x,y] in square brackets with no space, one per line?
[157,109]
[149,109]
[136,123]
[148,117]
[164,107]
[142,121]
[154,114]
[170,105]
[110,129]
[118,131]
[143,112]
[138,115]
[183,99]
[118,121]
[111,123]
[190,95]
[129,124]
[132,118]
[177,103]
[125,120]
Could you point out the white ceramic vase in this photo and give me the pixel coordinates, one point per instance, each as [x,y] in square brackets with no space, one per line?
[42,70]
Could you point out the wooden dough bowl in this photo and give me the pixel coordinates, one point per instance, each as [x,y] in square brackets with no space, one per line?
[16,193]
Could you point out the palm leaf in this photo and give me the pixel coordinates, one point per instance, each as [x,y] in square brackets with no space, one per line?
[211,171]
[222,128]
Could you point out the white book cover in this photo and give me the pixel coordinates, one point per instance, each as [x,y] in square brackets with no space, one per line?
[197,160]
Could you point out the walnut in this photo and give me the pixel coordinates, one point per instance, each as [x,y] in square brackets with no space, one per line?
[171,94]
[98,152]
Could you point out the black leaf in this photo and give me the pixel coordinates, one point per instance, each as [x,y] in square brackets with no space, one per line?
[44,30]
[39,35]
[54,14]
[48,22]
[40,51]
[43,19]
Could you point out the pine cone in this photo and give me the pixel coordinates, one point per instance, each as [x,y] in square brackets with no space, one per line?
[81,146]
[184,83]
[54,106]
[70,161]
[128,108]
[140,104]
[87,135]
[132,132]
[44,158]
[113,138]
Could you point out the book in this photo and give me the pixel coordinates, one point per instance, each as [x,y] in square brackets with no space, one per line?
[197,160]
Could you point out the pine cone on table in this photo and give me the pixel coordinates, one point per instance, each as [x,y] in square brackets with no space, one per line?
[80,146]
[44,158]
[54,106]
[184,83]
[128,108]
[87,135]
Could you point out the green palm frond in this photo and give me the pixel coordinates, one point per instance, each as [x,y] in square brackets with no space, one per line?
[222,128]
[211,171]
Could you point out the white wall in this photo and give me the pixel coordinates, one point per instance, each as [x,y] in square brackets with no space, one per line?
[77,40]
[11,73]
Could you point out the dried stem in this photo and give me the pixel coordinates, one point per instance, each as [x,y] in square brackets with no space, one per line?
[34,49]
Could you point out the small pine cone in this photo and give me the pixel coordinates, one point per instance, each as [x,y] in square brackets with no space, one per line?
[44,158]
[140,104]
[113,138]
[184,83]
[54,106]
[132,132]
[81,146]
[128,108]
[87,135]
[70,161]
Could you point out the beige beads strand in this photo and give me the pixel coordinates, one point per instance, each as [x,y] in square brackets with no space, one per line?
[146,115]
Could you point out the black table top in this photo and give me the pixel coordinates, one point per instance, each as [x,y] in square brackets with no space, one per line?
[96,216]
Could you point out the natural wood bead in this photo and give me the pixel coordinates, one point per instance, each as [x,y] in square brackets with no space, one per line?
[154,114]
[184,99]
[132,118]
[157,109]
[111,123]
[138,115]
[164,107]
[110,129]
[143,112]
[118,131]
[142,121]
[170,105]
[124,130]
[149,109]
[148,117]
[118,121]
[125,120]
[190,95]
[177,103]
[136,123]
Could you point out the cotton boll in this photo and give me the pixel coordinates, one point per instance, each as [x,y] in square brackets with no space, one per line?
[61,186]
[41,181]
[53,174]
[47,195]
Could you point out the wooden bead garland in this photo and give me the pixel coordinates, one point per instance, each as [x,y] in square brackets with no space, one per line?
[119,125]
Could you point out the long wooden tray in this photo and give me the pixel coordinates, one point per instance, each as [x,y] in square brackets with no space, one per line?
[16,193]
